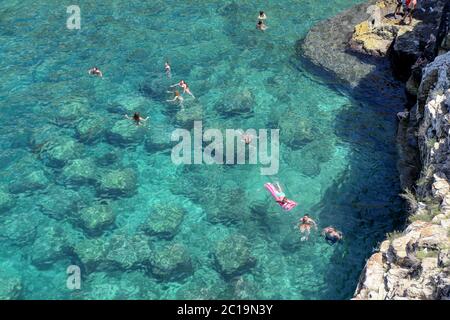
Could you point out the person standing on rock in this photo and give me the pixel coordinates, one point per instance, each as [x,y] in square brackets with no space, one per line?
[409,7]
[400,3]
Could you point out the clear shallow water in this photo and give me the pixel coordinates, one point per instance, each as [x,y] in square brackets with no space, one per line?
[341,170]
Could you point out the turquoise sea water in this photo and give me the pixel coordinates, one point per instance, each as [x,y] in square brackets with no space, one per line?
[64,141]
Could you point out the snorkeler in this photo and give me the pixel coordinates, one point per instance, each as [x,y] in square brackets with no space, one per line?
[168,70]
[95,72]
[137,118]
[262,16]
[261,26]
[332,235]
[178,97]
[305,226]
[185,87]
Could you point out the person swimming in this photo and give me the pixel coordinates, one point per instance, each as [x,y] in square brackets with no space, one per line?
[168,70]
[261,26]
[305,226]
[185,87]
[177,98]
[262,16]
[332,235]
[137,118]
[95,72]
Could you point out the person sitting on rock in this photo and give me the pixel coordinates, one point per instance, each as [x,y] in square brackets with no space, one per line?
[305,226]
[409,7]
[95,72]
[137,118]
[332,235]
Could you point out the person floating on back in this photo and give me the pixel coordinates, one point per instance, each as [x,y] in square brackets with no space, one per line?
[138,120]
[185,87]
[168,70]
[95,72]
[280,197]
[332,235]
[305,226]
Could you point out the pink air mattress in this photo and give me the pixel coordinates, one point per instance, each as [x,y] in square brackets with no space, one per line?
[289,205]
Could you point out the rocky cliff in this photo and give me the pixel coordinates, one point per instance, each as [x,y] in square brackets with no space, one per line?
[412,263]
[415,263]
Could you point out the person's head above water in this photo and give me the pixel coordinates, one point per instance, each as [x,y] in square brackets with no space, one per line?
[136,116]
[261,13]
[260,23]
[177,93]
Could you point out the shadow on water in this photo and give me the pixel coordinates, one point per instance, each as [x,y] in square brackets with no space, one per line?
[363,203]
[358,203]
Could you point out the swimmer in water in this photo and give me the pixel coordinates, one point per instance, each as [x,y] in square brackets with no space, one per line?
[177,98]
[332,235]
[138,120]
[262,16]
[168,70]
[185,87]
[305,226]
[95,72]
[261,26]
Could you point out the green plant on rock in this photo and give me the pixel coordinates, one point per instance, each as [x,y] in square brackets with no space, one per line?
[424,253]
[391,236]
[410,199]
[430,142]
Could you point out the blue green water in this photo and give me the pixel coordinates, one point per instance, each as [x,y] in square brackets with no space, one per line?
[337,152]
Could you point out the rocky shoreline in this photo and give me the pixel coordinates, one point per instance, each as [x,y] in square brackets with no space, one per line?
[413,263]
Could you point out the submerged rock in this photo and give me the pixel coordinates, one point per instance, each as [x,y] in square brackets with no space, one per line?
[118,183]
[10,287]
[164,220]
[129,252]
[233,256]
[7,201]
[91,129]
[69,112]
[80,171]
[50,246]
[36,180]
[237,103]
[125,132]
[59,151]
[171,262]
[186,116]
[95,219]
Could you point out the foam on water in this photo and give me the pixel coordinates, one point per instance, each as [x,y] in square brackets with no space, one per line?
[337,153]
